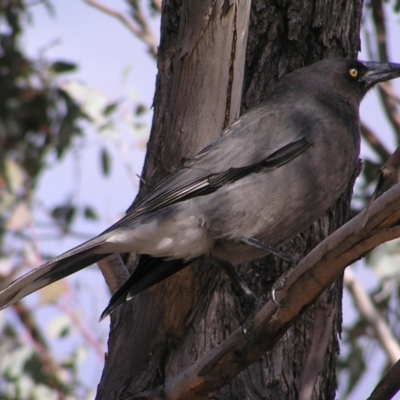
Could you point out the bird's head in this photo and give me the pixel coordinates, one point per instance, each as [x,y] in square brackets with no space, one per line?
[354,76]
[336,79]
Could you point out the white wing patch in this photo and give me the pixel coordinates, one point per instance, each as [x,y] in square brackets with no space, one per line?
[180,234]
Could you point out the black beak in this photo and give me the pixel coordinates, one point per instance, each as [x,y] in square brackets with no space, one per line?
[379,72]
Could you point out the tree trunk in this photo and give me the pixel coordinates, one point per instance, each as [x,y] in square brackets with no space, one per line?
[200,87]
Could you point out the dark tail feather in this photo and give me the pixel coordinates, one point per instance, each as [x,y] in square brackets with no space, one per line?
[54,270]
[149,272]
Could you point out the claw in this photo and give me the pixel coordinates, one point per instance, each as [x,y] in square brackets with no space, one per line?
[273,298]
[245,334]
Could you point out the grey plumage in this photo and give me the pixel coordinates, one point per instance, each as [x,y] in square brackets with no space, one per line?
[268,176]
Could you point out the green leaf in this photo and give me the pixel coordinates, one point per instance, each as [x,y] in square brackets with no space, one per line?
[110,108]
[91,101]
[64,212]
[370,171]
[19,359]
[60,327]
[385,259]
[89,213]
[105,162]
[60,67]
[140,109]
[354,364]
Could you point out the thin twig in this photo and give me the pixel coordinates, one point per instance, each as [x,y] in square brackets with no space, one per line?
[156,4]
[378,16]
[390,107]
[390,92]
[322,329]
[138,16]
[34,3]
[141,31]
[90,339]
[389,103]
[372,316]
[374,142]
[42,348]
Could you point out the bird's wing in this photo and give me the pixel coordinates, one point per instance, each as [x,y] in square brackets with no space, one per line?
[259,139]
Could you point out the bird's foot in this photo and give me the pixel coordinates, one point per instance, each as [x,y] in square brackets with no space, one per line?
[247,323]
[276,287]
[256,303]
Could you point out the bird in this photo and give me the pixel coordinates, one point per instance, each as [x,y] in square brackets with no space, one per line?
[263,180]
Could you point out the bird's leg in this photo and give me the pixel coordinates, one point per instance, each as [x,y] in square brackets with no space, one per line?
[268,249]
[246,295]
[280,254]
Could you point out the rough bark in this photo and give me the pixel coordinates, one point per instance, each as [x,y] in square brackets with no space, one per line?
[199,85]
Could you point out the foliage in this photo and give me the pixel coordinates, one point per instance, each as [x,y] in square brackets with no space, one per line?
[42,116]
[37,117]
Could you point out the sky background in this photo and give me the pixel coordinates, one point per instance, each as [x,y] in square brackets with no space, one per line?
[116,64]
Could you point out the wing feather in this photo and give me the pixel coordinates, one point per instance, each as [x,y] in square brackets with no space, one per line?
[249,144]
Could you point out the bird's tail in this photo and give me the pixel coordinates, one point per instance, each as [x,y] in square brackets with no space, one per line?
[54,270]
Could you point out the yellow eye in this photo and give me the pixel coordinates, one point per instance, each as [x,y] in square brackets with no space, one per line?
[353,72]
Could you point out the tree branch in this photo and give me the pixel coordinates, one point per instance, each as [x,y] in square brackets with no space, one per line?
[114,271]
[42,349]
[371,315]
[142,31]
[156,4]
[389,103]
[138,16]
[389,385]
[303,285]
[324,317]
[374,142]
[90,339]
[391,93]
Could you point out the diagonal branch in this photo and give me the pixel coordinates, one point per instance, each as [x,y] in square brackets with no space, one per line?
[141,20]
[303,285]
[389,102]
[49,365]
[389,385]
[391,93]
[372,316]
[114,271]
[86,334]
[141,30]
[374,142]
[156,5]
[324,317]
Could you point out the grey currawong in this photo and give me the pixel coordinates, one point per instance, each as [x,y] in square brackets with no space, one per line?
[268,176]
